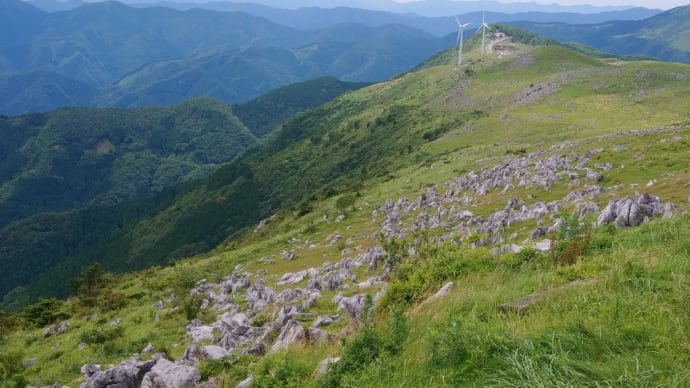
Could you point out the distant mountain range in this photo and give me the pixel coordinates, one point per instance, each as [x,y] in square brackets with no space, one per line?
[109,54]
[114,55]
[665,36]
[424,7]
[311,17]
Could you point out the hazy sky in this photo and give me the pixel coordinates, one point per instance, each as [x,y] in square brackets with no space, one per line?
[664,4]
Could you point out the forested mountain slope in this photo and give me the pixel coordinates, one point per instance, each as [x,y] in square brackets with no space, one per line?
[71,178]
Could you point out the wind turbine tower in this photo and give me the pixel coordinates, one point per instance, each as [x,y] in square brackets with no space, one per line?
[484,27]
[461,30]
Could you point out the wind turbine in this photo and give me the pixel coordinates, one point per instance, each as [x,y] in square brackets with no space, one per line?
[483,27]
[461,30]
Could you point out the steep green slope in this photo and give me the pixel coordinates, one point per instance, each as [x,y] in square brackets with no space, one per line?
[663,36]
[266,112]
[521,139]
[78,157]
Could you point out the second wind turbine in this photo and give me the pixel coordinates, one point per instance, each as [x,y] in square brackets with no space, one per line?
[483,27]
[461,30]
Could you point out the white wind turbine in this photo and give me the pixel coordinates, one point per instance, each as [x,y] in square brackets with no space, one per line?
[483,27]
[461,30]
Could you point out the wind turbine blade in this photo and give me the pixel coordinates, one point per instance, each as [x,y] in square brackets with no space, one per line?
[458,20]
[458,41]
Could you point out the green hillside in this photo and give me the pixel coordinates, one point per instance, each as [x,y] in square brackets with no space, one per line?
[518,177]
[79,157]
[73,177]
[265,113]
[665,36]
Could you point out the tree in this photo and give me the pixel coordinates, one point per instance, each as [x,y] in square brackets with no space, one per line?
[45,311]
[88,284]
[8,322]
[345,202]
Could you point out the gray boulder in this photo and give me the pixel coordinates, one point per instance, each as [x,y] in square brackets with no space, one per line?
[670,210]
[258,296]
[292,278]
[214,352]
[314,283]
[56,329]
[165,374]
[256,349]
[589,207]
[288,255]
[537,233]
[325,320]
[292,332]
[88,370]
[246,383]
[126,375]
[445,290]
[374,281]
[352,305]
[625,211]
[147,349]
[331,281]
[287,295]
[318,336]
[192,355]
[311,299]
[322,369]
[200,333]
[593,176]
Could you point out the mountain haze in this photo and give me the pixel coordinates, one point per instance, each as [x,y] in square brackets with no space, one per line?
[664,36]
[112,55]
[308,18]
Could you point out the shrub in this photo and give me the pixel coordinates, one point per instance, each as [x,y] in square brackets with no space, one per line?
[433,265]
[524,256]
[8,323]
[101,335]
[394,337]
[281,371]
[445,345]
[571,241]
[10,367]
[191,306]
[368,345]
[209,368]
[45,312]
